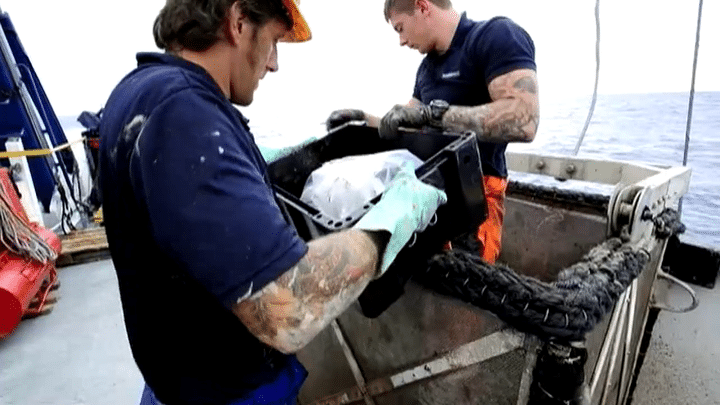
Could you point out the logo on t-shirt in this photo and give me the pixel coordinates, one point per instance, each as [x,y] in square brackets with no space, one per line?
[451,75]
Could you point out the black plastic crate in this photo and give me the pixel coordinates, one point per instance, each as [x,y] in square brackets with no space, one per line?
[451,162]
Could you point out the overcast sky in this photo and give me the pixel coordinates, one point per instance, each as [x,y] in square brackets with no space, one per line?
[82,48]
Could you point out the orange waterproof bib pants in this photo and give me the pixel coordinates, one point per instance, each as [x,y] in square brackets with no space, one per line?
[489,233]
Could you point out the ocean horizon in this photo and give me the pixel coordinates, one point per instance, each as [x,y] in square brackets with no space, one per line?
[648,128]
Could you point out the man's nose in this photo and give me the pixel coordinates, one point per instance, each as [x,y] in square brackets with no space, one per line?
[403,41]
[272,65]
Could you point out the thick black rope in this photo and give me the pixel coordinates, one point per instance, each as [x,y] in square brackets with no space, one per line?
[595,201]
[564,310]
[667,223]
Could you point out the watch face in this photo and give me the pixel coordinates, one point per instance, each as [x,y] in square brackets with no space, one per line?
[438,108]
[440,103]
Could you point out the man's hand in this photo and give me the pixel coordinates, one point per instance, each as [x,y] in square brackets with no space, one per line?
[341,117]
[407,206]
[403,116]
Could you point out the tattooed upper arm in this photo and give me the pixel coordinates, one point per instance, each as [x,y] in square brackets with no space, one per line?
[513,114]
[515,95]
[516,83]
[288,312]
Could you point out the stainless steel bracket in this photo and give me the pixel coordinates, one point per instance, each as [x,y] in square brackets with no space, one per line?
[633,206]
[659,296]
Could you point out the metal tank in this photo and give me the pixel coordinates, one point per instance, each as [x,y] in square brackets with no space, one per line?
[427,348]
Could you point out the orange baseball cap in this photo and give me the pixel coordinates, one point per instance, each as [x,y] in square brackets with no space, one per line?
[300,32]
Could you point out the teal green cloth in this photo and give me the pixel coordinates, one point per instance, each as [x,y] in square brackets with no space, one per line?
[407,206]
[272,154]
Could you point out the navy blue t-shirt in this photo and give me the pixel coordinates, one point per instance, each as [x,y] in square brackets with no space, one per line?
[192,226]
[478,53]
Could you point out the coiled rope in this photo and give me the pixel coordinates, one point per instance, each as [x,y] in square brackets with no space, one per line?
[19,238]
[563,310]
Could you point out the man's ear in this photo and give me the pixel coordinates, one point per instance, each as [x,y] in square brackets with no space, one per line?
[236,23]
[422,5]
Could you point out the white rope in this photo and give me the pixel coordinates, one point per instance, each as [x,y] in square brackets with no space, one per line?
[597,78]
[19,238]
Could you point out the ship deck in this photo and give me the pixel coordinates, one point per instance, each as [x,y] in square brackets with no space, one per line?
[79,353]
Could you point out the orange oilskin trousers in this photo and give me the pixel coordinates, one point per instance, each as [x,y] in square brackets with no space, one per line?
[489,233]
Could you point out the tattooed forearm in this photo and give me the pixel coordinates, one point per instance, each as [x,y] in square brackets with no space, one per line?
[291,310]
[512,116]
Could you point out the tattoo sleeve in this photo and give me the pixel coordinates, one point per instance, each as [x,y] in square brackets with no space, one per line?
[512,116]
[288,312]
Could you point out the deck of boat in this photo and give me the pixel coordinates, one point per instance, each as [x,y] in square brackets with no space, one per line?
[79,354]
[76,354]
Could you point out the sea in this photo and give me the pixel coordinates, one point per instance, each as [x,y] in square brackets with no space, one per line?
[648,128]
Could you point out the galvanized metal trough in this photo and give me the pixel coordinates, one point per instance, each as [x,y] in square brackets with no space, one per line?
[431,349]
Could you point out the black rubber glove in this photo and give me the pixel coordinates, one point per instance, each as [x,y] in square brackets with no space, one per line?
[403,116]
[340,117]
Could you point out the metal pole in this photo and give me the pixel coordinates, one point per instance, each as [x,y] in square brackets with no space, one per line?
[352,362]
[692,92]
[597,78]
[62,181]
[25,97]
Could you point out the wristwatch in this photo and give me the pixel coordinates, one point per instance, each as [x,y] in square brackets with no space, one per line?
[437,110]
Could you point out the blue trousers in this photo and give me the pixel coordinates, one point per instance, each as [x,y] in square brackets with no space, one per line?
[283,391]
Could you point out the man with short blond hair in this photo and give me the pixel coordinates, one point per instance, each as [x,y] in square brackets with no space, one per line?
[217,288]
[408,6]
[482,75]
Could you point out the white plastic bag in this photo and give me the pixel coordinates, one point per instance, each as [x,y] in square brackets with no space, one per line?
[340,187]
